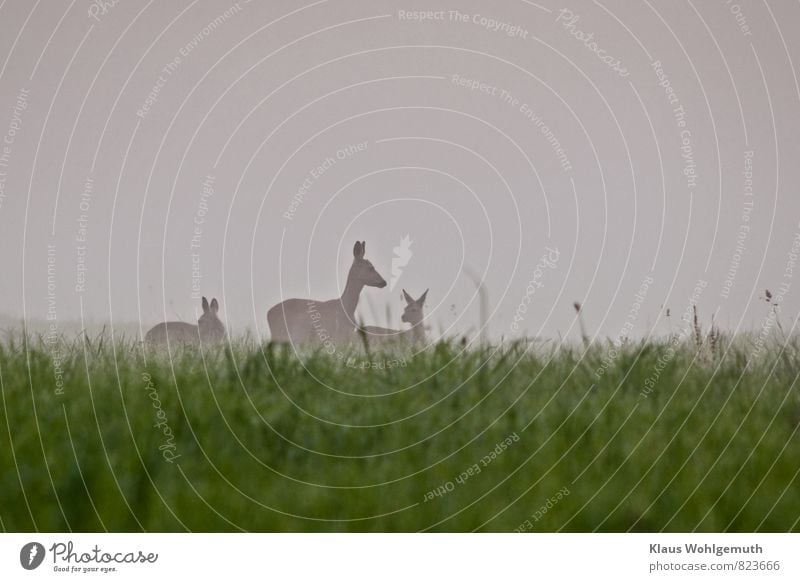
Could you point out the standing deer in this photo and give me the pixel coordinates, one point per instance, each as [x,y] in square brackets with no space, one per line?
[302,321]
[412,314]
[209,329]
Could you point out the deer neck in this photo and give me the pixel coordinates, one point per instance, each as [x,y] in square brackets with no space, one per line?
[417,332]
[349,298]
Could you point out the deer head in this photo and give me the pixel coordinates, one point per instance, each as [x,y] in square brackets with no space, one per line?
[413,313]
[210,326]
[362,272]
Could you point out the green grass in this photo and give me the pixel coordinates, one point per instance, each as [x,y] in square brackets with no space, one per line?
[267,442]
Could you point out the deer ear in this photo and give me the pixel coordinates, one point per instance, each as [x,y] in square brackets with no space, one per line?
[205,305]
[214,305]
[421,300]
[363,247]
[358,250]
[407,297]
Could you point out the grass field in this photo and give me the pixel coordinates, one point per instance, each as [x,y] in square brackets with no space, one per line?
[658,436]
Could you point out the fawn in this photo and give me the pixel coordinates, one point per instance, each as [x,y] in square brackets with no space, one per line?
[413,314]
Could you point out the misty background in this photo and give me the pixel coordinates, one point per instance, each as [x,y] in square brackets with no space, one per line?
[155,152]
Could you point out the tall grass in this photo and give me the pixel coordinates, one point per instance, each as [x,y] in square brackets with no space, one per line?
[645,437]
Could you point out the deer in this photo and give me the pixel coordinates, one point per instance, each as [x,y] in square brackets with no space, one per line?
[209,329]
[331,322]
[413,314]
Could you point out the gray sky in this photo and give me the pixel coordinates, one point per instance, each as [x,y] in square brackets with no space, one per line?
[486,136]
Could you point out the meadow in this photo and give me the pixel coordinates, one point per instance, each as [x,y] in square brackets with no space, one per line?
[660,435]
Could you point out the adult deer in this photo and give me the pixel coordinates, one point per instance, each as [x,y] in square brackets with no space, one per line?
[209,329]
[302,321]
[413,314]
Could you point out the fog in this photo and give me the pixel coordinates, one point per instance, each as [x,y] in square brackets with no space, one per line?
[618,155]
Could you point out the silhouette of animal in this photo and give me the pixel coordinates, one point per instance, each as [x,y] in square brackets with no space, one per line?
[413,314]
[209,329]
[303,321]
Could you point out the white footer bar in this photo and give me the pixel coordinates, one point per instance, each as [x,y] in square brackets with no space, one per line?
[401,557]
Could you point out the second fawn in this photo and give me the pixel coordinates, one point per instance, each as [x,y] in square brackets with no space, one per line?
[413,314]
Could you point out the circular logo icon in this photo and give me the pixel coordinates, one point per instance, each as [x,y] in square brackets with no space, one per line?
[31,555]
